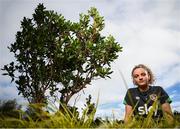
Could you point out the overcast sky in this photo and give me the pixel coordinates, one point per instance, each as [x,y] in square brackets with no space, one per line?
[148,31]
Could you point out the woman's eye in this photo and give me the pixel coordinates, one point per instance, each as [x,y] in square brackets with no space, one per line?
[143,74]
[135,76]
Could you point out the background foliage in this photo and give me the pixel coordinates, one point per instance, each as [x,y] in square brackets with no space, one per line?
[54,55]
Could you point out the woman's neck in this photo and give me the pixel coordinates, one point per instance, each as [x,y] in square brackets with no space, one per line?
[144,88]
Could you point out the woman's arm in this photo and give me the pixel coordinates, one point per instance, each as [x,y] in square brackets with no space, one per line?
[166,108]
[128,114]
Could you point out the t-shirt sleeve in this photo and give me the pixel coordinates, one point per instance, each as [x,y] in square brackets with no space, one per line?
[128,98]
[164,97]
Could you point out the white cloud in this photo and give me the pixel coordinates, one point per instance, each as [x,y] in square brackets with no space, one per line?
[110,113]
[176,106]
[9,93]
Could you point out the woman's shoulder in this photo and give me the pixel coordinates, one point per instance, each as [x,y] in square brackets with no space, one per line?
[132,89]
[157,87]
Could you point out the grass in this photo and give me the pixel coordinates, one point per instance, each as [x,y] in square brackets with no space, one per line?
[38,117]
[70,119]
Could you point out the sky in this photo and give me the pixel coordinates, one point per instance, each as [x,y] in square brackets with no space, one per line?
[148,31]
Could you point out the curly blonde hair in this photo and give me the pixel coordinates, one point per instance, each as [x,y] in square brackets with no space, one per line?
[152,78]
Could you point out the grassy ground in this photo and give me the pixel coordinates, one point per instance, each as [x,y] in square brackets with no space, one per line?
[65,122]
[43,119]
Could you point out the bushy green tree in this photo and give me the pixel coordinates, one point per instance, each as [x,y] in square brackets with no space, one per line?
[56,55]
[9,108]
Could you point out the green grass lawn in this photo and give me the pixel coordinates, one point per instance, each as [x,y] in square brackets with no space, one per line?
[67,119]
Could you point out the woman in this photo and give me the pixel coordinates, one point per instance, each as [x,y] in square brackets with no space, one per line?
[143,99]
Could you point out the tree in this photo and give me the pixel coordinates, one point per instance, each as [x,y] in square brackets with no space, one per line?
[9,108]
[52,51]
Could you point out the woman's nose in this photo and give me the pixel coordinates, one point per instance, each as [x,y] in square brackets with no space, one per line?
[140,78]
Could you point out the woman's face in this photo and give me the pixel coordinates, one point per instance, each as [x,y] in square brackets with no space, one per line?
[141,77]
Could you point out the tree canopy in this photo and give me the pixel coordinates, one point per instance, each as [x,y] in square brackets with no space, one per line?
[56,55]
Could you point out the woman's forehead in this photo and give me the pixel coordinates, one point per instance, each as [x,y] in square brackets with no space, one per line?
[139,70]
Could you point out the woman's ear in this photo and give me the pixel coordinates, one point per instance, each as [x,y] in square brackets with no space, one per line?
[134,82]
[149,78]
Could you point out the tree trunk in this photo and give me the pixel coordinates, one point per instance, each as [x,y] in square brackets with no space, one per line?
[66,96]
[64,99]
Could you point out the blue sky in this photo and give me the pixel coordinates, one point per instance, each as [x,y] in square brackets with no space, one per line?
[149,32]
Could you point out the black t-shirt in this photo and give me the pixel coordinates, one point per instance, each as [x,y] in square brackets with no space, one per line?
[143,102]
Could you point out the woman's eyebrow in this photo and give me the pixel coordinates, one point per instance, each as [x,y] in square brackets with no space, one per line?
[136,75]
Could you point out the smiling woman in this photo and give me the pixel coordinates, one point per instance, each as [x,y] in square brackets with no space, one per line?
[146,101]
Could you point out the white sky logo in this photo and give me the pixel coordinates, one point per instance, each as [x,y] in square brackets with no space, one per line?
[145,110]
